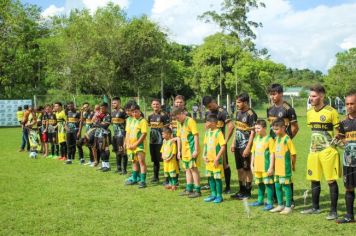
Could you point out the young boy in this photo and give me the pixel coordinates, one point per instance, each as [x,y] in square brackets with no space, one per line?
[170,164]
[284,159]
[262,164]
[135,143]
[214,149]
[188,144]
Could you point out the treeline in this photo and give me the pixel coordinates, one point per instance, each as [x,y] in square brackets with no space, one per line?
[108,53]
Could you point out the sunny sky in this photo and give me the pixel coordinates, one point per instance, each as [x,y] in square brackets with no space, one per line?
[299,33]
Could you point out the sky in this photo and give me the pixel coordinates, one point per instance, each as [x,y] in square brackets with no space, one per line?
[298,33]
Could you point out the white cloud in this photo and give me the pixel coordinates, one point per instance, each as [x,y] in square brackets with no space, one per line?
[306,39]
[92,5]
[299,39]
[180,18]
[52,10]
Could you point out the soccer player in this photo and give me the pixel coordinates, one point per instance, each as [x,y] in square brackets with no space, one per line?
[170,164]
[136,143]
[61,132]
[51,122]
[156,121]
[31,125]
[284,159]
[102,122]
[262,164]
[282,109]
[242,144]
[188,151]
[223,121]
[25,140]
[323,159]
[347,132]
[118,120]
[44,133]
[86,120]
[214,149]
[72,127]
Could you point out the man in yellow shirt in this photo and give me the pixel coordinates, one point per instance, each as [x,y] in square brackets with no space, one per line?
[323,158]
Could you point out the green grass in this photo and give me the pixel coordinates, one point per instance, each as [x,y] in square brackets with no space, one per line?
[45,197]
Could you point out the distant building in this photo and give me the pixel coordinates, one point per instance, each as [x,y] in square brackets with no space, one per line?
[293,91]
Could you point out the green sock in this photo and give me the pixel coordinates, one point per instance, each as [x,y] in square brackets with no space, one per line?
[197,188]
[189,187]
[174,181]
[261,192]
[212,186]
[218,183]
[279,194]
[269,194]
[169,180]
[288,193]
[134,176]
[143,177]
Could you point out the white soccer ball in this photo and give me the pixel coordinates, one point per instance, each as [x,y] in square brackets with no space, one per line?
[33,154]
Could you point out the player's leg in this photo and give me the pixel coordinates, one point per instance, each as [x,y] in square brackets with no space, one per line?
[227,172]
[105,153]
[240,174]
[189,180]
[115,149]
[142,162]
[247,176]
[288,195]
[155,158]
[350,184]
[279,193]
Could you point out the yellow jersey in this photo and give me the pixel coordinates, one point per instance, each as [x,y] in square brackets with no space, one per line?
[169,148]
[213,141]
[322,124]
[261,150]
[19,116]
[283,151]
[186,133]
[137,127]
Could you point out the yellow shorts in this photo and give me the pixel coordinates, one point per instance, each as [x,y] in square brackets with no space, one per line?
[189,163]
[326,162]
[262,177]
[61,137]
[215,172]
[283,179]
[170,168]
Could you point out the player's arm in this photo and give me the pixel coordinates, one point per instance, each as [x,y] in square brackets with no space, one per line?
[252,166]
[232,147]
[293,153]
[81,121]
[196,146]
[292,116]
[294,160]
[230,130]
[144,128]
[220,155]
[247,150]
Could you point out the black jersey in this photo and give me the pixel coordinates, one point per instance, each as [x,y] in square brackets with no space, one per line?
[347,129]
[244,124]
[73,118]
[87,119]
[223,118]
[52,122]
[118,120]
[286,112]
[156,122]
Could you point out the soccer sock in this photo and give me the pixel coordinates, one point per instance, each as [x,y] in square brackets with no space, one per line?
[315,185]
[118,161]
[292,189]
[80,152]
[261,192]
[52,149]
[143,177]
[125,158]
[349,199]
[288,194]
[174,181]
[134,176]
[269,193]
[227,173]
[248,187]
[334,196]
[57,149]
[242,187]
[63,151]
[155,170]
[189,187]
[212,186]
[218,183]
[279,193]
[197,188]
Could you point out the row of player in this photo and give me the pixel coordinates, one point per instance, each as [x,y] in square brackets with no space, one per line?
[273,154]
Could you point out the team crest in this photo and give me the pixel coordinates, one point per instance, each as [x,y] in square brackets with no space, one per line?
[244,119]
[280,114]
[310,172]
[322,118]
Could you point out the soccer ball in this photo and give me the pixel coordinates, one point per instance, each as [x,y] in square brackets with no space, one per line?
[33,154]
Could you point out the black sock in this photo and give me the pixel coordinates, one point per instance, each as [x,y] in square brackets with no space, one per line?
[248,187]
[52,149]
[57,149]
[125,162]
[315,185]
[118,161]
[292,188]
[242,187]
[349,199]
[156,170]
[227,173]
[334,196]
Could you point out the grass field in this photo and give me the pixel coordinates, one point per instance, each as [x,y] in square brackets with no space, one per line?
[45,197]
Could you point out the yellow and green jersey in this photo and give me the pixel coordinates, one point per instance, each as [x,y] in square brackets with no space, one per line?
[283,151]
[169,148]
[213,141]
[32,120]
[261,150]
[61,119]
[137,127]
[322,124]
[186,132]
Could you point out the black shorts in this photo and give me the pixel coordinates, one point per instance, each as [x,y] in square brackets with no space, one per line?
[71,139]
[51,137]
[117,143]
[155,151]
[349,177]
[242,162]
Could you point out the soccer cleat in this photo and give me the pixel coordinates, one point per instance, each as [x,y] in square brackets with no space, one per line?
[227,191]
[332,216]
[142,185]
[194,195]
[82,161]
[311,211]
[345,220]
[168,186]
[286,211]
[205,187]
[236,195]
[174,188]
[105,169]
[268,207]
[130,181]
[124,172]
[209,199]
[255,204]
[218,199]
[277,209]
[185,193]
[88,163]
[154,181]
[68,162]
